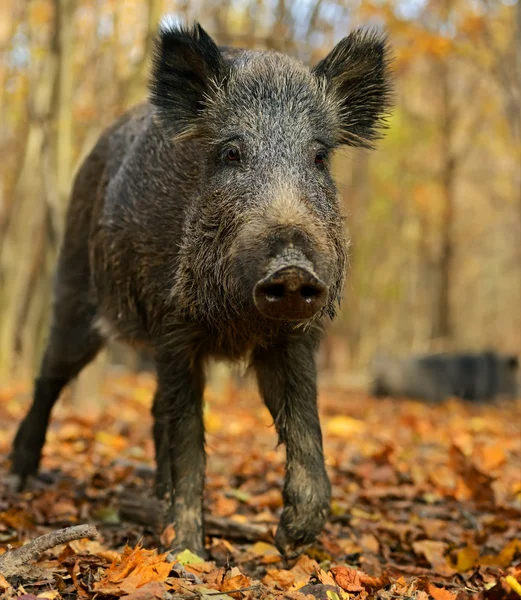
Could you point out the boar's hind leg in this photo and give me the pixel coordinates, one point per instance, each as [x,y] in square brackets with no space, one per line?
[287,382]
[73,343]
[179,440]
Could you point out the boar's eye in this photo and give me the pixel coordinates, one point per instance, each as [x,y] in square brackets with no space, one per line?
[321,158]
[232,154]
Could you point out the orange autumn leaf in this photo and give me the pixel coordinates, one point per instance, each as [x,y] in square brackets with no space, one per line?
[304,568]
[348,579]
[237,582]
[279,577]
[440,593]
[137,568]
[4,584]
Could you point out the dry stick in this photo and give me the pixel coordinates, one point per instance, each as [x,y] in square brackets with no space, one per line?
[15,561]
[226,527]
[152,512]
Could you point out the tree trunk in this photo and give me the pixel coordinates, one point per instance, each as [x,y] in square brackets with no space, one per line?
[443,323]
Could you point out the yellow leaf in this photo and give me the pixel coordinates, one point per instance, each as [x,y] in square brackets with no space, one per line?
[514,584]
[49,595]
[342,425]
[466,558]
[504,558]
[186,557]
[264,549]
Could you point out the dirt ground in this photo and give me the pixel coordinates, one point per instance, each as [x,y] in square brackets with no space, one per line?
[426,502]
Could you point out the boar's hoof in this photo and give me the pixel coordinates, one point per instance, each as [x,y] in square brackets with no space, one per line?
[296,533]
[290,294]
[18,483]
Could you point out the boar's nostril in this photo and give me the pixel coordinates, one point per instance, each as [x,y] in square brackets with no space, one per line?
[309,291]
[274,290]
[290,293]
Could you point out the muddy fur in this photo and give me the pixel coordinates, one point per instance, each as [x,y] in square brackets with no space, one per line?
[184,204]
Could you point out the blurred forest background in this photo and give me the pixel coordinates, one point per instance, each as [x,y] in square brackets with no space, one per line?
[434,213]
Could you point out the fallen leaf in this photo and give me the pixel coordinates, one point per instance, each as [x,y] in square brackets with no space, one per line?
[304,568]
[150,591]
[187,557]
[264,549]
[343,426]
[440,593]
[514,584]
[434,551]
[466,558]
[236,582]
[4,584]
[472,483]
[167,536]
[369,542]
[504,558]
[280,578]
[348,579]
[137,568]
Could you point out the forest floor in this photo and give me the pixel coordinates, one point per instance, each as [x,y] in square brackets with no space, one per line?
[426,502]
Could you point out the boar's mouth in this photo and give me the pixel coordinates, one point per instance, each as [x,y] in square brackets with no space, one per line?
[290,293]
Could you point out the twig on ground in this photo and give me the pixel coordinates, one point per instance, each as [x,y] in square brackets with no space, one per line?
[230,528]
[15,562]
[152,512]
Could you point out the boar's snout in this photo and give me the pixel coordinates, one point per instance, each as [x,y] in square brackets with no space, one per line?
[290,293]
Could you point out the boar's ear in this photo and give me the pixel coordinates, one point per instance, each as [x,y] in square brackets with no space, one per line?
[187,66]
[357,75]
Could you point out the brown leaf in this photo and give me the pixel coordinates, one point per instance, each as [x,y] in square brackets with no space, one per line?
[473,484]
[434,551]
[150,591]
[167,536]
[348,579]
[304,568]
[279,578]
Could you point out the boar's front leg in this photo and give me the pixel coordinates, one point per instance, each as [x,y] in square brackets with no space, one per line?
[287,382]
[179,440]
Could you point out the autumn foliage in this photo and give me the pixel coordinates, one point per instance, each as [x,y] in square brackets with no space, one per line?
[426,502]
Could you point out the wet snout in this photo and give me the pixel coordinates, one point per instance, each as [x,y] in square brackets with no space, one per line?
[290,293]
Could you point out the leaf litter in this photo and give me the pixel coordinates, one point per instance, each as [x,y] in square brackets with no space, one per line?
[426,502]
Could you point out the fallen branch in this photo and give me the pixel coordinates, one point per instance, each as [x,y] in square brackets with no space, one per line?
[143,510]
[15,562]
[152,512]
[230,528]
